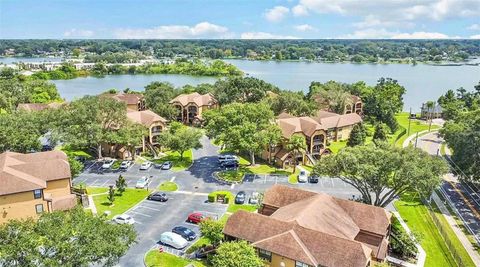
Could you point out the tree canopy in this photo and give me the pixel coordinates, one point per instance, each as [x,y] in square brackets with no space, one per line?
[157,97]
[381,173]
[236,254]
[64,238]
[180,138]
[241,90]
[358,135]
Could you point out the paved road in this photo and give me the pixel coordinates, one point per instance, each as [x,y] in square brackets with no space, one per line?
[465,197]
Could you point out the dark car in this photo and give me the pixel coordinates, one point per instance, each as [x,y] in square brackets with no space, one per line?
[229,164]
[167,165]
[185,232]
[313,179]
[240,197]
[157,196]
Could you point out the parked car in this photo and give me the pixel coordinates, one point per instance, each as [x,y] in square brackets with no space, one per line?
[302,177]
[107,164]
[196,217]
[167,165]
[158,196]
[313,179]
[125,164]
[142,182]
[229,165]
[254,198]
[223,158]
[185,232]
[240,197]
[173,240]
[123,219]
[146,165]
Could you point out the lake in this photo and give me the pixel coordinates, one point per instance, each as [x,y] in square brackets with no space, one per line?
[423,82]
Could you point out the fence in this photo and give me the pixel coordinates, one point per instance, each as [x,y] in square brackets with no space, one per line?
[443,232]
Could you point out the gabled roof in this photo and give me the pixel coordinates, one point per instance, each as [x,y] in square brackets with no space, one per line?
[37,106]
[294,241]
[196,98]
[145,117]
[332,120]
[27,172]
[305,125]
[129,99]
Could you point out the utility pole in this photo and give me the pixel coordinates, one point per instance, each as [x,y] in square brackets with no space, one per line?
[409,120]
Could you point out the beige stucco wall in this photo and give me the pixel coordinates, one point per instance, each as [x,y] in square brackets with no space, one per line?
[277,260]
[22,205]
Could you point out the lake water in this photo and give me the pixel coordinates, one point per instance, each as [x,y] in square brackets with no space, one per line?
[423,82]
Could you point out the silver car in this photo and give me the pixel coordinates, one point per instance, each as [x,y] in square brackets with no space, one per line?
[146,165]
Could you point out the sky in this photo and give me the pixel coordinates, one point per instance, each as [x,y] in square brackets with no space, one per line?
[239,19]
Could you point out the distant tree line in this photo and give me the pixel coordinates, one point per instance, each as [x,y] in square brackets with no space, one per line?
[120,51]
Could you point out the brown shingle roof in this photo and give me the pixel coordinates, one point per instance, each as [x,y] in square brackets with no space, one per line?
[305,125]
[129,99]
[198,99]
[332,120]
[296,242]
[26,172]
[145,117]
[37,106]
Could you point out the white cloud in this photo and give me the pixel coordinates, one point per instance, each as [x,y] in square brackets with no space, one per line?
[299,11]
[264,35]
[373,21]
[474,27]
[403,10]
[276,14]
[200,30]
[475,36]
[421,35]
[304,28]
[74,33]
[382,33]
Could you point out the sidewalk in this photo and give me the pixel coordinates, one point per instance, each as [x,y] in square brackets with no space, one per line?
[458,232]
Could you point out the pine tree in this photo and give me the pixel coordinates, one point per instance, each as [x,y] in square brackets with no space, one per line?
[357,135]
[380,133]
[121,184]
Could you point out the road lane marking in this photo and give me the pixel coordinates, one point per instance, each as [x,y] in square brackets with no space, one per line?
[475,212]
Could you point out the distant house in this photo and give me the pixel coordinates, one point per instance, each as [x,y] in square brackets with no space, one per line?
[191,106]
[31,184]
[431,111]
[134,102]
[298,228]
[137,112]
[317,130]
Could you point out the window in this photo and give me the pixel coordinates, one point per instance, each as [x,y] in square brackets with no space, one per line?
[265,255]
[301,264]
[37,193]
[39,208]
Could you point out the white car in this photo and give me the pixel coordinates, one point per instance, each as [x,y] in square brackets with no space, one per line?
[173,240]
[146,165]
[302,177]
[254,198]
[125,164]
[107,164]
[123,219]
[142,182]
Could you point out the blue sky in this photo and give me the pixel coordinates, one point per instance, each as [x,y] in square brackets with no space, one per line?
[248,19]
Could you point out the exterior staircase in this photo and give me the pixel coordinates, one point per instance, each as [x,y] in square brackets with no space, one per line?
[311,158]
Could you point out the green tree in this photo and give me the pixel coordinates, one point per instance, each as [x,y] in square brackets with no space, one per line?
[382,173]
[212,230]
[64,238]
[332,95]
[241,89]
[111,194]
[463,135]
[296,146]
[380,133]
[90,121]
[21,131]
[236,254]
[273,136]
[293,103]
[358,135]
[129,135]
[76,167]
[158,96]
[180,138]
[121,184]
[240,127]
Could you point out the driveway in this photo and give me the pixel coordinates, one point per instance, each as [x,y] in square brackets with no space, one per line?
[153,218]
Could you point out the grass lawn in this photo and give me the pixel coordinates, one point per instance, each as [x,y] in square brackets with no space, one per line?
[122,203]
[174,157]
[198,244]
[116,165]
[168,186]
[157,259]
[96,190]
[415,127]
[75,152]
[460,250]
[234,207]
[415,214]
[293,177]
[232,176]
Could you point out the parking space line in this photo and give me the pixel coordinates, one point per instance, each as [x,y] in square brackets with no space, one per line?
[105,183]
[139,213]
[173,179]
[232,186]
[95,181]
[333,185]
[146,207]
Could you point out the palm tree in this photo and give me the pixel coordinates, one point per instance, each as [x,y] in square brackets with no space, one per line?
[296,145]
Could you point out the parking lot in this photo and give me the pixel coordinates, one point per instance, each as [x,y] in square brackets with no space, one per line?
[153,218]
[94,175]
